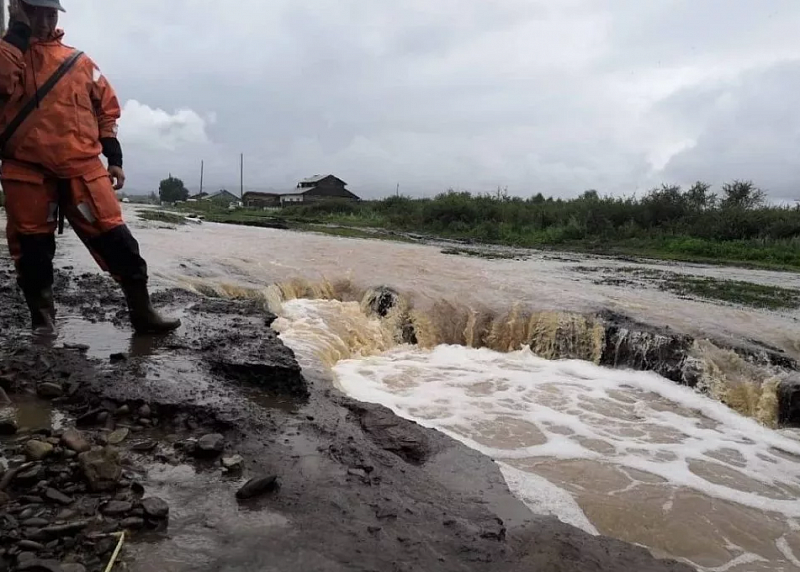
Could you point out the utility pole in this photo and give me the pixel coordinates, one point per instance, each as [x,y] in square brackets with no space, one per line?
[397,193]
[241,176]
[201,172]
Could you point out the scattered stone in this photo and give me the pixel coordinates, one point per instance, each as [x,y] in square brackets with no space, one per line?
[58,496]
[154,507]
[257,487]
[118,436]
[75,441]
[104,546]
[102,417]
[123,409]
[4,399]
[118,357]
[374,529]
[115,508]
[144,411]
[361,473]
[3,499]
[101,467]
[144,422]
[40,566]
[30,545]
[37,450]
[132,523]
[144,446]
[8,426]
[35,522]
[29,475]
[231,464]
[73,567]
[59,530]
[210,445]
[66,514]
[49,390]
[89,418]
[188,446]
[25,556]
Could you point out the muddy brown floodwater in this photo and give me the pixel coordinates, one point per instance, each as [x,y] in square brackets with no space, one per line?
[624,454]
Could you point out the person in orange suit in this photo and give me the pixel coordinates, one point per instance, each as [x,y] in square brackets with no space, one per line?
[51,166]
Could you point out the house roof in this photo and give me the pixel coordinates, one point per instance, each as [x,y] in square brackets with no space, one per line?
[221,193]
[318,178]
[262,194]
[314,179]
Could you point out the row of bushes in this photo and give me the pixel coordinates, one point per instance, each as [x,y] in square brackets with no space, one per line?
[736,224]
[740,213]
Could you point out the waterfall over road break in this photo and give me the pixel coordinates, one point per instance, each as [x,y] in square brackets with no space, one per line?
[627,454]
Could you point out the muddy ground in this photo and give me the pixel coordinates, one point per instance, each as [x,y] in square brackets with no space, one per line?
[104,432]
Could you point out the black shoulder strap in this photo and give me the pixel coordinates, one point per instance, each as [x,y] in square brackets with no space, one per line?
[31,104]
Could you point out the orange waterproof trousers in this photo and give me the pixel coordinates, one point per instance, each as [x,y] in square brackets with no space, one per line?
[89,203]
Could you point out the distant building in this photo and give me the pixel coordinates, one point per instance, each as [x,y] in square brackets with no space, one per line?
[223,197]
[319,188]
[261,200]
[197,197]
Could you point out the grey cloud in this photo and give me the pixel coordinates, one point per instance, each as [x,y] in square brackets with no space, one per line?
[750,130]
[536,95]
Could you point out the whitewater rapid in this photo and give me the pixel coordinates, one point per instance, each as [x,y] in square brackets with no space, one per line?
[625,454]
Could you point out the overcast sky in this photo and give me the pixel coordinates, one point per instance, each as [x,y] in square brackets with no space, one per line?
[553,96]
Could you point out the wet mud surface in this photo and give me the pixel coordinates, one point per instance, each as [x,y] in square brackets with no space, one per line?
[213,451]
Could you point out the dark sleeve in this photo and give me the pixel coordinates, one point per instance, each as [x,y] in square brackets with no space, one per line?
[18,35]
[112,151]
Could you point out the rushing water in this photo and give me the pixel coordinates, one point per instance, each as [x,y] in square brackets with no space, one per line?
[626,454]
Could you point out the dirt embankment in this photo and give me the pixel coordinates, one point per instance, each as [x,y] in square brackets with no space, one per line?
[213,452]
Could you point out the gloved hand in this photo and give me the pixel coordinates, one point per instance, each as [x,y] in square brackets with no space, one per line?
[117,176]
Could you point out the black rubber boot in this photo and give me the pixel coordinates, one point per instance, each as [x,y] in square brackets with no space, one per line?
[144,318]
[43,310]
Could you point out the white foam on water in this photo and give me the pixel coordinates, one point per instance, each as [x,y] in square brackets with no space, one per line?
[545,498]
[786,550]
[629,411]
[740,560]
[516,408]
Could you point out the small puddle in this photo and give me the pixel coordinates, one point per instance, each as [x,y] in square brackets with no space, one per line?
[206,525]
[105,339]
[32,414]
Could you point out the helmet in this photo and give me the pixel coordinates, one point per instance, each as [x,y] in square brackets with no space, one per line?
[45,4]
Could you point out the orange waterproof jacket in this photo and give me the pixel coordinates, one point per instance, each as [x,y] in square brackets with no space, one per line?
[63,134]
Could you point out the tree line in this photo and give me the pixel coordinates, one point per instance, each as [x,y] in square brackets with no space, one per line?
[694,220]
